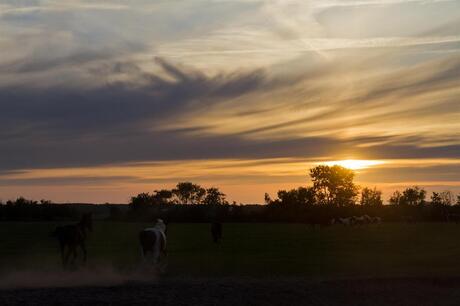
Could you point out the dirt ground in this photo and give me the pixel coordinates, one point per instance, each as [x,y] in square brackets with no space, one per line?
[404,291]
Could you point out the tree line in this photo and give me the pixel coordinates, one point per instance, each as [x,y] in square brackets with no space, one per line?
[23,209]
[183,193]
[334,186]
[331,194]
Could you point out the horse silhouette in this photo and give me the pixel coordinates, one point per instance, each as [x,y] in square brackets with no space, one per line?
[153,242]
[216,231]
[71,237]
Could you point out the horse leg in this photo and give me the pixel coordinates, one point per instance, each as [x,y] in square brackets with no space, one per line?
[83,248]
[67,256]
[156,254]
[163,248]
[73,253]
[163,262]
[142,253]
[63,259]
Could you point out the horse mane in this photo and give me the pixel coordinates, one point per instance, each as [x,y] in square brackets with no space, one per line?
[160,225]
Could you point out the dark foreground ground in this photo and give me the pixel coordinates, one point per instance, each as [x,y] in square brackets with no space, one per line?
[255,264]
[402,291]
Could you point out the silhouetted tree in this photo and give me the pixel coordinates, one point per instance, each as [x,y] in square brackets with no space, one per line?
[267,199]
[442,198]
[288,197]
[163,196]
[299,196]
[371,197]
[410,196]
[306,195]
[334,185]
[24,202]
[396,198]
[189,193]
[458,199]
[140,201]
[436,199]
[414,196]
[447,198]
[23,209]
[214,197]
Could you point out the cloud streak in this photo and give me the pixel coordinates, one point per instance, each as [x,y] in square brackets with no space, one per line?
[91,84]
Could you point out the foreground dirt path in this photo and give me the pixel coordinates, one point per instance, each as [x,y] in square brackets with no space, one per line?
[411,291]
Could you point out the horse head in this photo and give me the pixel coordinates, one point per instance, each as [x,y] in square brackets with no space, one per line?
[87,221]
[160,224]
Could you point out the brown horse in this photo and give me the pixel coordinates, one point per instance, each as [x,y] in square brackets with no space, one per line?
[71,237]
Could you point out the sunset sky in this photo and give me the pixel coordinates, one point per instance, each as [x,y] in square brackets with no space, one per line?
[101,100]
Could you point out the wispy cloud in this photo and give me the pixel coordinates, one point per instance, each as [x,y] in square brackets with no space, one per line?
[252,87]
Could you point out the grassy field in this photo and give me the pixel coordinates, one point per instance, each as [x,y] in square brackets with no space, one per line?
[255,250]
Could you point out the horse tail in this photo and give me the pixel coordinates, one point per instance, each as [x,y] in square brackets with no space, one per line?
[157,246]
[141,244]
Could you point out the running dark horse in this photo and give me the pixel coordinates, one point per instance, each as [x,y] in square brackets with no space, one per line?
[216,231]
[71,237]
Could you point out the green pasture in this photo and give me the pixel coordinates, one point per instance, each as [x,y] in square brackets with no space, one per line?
[255,250]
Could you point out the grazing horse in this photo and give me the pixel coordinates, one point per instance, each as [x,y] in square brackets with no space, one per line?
[153,241]
[361,220]
[377,220]
[71,237]
[216,231]
[367,219]
[343,221]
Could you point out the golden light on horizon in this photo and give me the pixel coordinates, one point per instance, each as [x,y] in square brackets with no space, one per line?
[355,164]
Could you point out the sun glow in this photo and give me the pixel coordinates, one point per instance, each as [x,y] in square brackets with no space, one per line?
[355,164]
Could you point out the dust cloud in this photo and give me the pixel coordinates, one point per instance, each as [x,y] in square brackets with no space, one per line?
[100,277]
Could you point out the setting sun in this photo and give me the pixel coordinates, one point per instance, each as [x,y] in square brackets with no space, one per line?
[208,152]
[355,164]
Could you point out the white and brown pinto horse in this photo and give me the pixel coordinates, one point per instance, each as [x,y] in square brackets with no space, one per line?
[153,242]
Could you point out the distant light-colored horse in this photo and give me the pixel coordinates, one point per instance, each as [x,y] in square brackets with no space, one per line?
[343,221]
[376,220]
[365,220]
[153,242]
[368,218]
[361,220]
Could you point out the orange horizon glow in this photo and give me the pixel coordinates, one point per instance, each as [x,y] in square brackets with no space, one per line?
[243,180]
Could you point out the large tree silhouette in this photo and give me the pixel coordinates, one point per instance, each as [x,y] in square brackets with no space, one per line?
[409,196]
[371,197]
[189,193]
[299,196]
[334,185]
[214,197]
